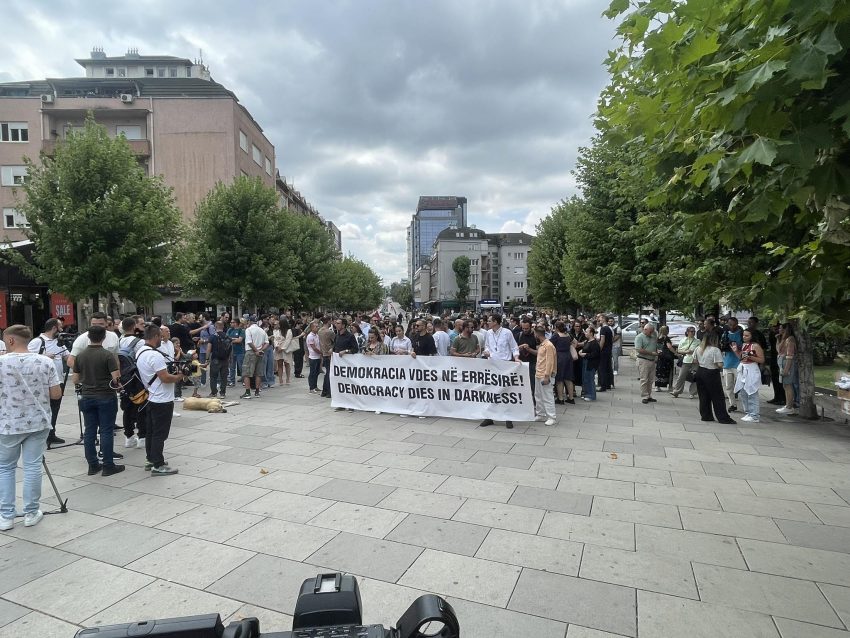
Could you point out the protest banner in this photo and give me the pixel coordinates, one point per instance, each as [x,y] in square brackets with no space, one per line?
[433,386]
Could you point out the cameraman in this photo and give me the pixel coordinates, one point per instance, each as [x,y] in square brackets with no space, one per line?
[159,410]
[46,344]
[96,370]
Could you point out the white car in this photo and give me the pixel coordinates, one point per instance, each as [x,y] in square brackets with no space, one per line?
[677,331]
[628,334]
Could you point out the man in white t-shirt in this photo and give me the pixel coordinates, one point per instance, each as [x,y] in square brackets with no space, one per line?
[45,344]
[130,344]
[499,343]
[82,342]
[441,338]
[253,365]
[159,410]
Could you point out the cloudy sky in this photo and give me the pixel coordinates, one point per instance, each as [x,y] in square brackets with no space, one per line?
[371,103]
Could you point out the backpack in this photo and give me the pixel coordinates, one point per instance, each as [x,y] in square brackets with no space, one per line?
[128,375]
[222,346]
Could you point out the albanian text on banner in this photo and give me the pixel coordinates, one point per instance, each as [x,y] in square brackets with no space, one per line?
[432,386]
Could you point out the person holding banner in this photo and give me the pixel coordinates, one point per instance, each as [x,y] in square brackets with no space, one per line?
[547,365]
[423,343]
[499,343]
[465,343]
[400,344]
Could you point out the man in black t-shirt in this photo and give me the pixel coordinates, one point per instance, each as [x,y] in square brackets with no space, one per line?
[527,343]
[180,329]
[606,344]
[96,370]
[423,343]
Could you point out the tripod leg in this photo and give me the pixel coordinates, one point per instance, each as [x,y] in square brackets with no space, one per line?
[63,505]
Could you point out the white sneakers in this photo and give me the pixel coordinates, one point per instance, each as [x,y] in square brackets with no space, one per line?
[131,441]
[550,422]
[33,518]
[141,444]
[6,524]
[749,419]
[785,410]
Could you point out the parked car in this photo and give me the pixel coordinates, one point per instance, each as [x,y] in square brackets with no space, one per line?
[677,331]
[629,333]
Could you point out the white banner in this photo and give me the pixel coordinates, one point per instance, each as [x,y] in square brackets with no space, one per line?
[433,386]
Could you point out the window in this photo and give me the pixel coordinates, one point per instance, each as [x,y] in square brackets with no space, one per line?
[172,72]
[160,72]
[268,166]
[13,175]
[14,132]
[129,132]
[188,71]
[122,72]
[110,72]
[243,141]
[519,284]
[148,71]
[13,219]
[258,157]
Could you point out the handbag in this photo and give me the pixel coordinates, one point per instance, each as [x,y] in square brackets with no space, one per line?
[293,344]
[691,376]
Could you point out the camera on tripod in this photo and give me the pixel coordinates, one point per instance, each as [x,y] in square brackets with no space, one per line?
[183,368]
[328,606]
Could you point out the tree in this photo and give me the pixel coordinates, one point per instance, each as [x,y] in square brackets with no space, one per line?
[744,112]
[545,281]
[461,268]
[401,293]
[99,225]
[354,285]
[313,249]
[238,251]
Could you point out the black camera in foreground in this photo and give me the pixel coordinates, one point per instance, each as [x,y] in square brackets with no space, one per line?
[179,367]
[328,607]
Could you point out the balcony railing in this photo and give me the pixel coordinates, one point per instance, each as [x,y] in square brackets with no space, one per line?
[140,148]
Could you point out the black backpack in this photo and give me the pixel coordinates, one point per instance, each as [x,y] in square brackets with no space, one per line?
[131,384]
[222,346]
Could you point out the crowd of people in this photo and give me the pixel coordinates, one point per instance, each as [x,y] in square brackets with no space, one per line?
[568,358]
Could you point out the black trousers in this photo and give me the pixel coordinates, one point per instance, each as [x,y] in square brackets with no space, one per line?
[55,404]
[532,371]
[778,390]
[298,357]
[605,371]
[158,416]
[710,391]
[218,375]
[326,384]
[130,418]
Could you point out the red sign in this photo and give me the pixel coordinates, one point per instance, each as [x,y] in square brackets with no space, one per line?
[62,307]
[4,309]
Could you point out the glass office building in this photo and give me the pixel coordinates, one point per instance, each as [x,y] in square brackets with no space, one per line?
[433,215]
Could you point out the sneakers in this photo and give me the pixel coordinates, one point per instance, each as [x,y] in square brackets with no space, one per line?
[750,419]
[163,470]
[141,444]
[52,438]
[692,396]
[550,422]
[94,469]
[221,395]
[131,441]
[109,470]
[256,394]
[148,466]
[179,399]
[245,395]
[589,399]
[33,518]
[212,395]
[485,423]
[615,373]
[6,524]
[232,384]
[785,410]
[509,425]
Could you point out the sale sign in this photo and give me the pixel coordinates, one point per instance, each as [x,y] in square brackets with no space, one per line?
[62,307]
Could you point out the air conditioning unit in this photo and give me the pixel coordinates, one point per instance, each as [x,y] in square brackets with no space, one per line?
[47,98]
[127,98]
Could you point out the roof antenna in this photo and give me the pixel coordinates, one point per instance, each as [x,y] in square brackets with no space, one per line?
[201,57]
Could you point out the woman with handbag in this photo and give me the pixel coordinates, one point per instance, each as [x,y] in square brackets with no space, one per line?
[748,381]
[709,386]
[687,365]
[565,354]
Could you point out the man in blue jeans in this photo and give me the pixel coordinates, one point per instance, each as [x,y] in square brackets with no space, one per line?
[30,382]
[237,340]
[96,372]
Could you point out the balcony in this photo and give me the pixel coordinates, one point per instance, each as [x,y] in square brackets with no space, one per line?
[140,148]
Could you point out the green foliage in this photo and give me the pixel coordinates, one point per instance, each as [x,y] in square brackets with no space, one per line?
[461,268]
[98,223]
[313,249]
[741,111]
[354,286]
[545,282]
[402,293]
[239,246]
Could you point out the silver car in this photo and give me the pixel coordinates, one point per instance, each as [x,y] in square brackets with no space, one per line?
[677,331]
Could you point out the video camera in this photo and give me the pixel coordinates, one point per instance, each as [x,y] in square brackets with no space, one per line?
[183,368]
[328,606]
[66,339]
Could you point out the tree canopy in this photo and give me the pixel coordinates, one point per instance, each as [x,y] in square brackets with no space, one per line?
[461,267]
[354,285]
[97,222]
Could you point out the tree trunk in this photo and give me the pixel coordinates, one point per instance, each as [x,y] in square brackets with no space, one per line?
[808,409]
[95,302]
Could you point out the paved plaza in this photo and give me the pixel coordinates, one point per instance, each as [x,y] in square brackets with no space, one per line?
[622,520]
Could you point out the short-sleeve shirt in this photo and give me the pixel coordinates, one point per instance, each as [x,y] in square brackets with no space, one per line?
[709,358]
[466,345]
[642,342]
[148,363]
[730,359]
[49,348]
[110,342]
[314,350]
[256,336]
[237,333]
[441,341]
[25,382]
[95,366]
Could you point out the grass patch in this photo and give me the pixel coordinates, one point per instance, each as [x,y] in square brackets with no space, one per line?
[825,375]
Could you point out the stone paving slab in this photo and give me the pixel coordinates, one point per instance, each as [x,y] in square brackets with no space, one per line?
[621,520]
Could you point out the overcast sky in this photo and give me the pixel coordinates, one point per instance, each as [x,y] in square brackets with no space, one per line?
[369,103]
